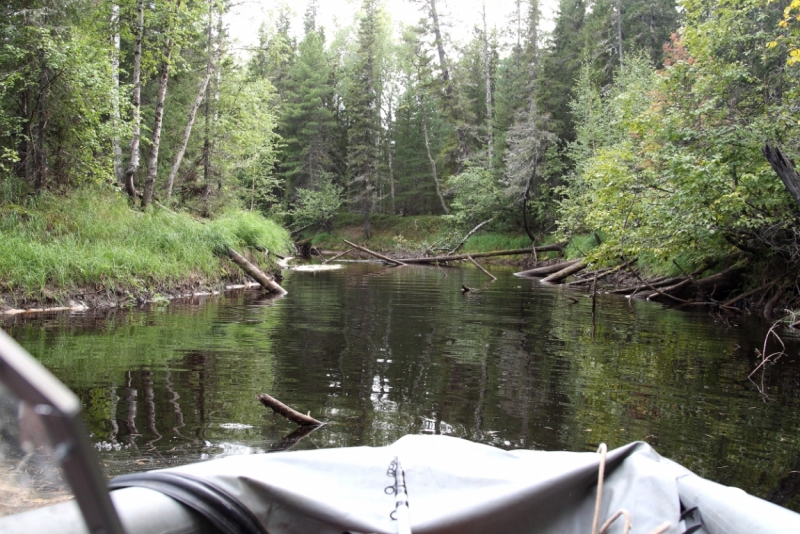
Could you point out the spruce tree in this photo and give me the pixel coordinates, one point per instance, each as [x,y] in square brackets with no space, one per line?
[307,119]
[364,134]
[560,68]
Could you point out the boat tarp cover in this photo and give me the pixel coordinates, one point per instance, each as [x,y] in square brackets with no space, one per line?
[456,486]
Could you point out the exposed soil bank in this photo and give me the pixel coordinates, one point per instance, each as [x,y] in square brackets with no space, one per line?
[83,299]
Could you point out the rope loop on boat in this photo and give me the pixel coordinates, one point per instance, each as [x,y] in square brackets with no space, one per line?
[602,450]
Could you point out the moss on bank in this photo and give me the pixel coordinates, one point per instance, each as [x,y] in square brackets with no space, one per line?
[57,246]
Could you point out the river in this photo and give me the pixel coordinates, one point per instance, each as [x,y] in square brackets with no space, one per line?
[379,352]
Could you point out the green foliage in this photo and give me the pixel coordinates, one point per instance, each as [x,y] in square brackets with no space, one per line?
[669,164]
[317,206]
[477,196]
[54,96]
[306,122]
[92,238]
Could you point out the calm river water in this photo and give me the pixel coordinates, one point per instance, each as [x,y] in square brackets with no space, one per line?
[380,352]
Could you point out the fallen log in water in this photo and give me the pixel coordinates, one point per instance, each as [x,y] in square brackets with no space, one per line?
[372,253]
[759,289]
[721,281]
[461,257]
[655,282]
[547,269]
[557,277]
[262,278]
[281,409]
[600,274]
[479,266]
[339,255]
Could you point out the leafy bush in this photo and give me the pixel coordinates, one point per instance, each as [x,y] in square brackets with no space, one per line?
[317,206]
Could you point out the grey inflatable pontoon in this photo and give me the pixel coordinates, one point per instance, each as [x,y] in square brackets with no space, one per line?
[452,485]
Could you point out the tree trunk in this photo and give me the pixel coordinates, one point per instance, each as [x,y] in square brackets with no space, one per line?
[41,143]
[430,156]
[487,78]
[389,128]
[212,119]
[119,172]
[784,168]
[152,167]
[133,166]
[525,203]
[461,135]
[367,201]
[193,112]
[619,30]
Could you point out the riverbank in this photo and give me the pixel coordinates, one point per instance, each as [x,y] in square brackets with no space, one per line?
[90,249]
[737,283]
[420,235]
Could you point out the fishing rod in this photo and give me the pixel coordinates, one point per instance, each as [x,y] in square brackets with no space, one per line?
[400,513]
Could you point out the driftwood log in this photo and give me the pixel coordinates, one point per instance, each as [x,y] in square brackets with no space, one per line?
[377,255]
[557,277]
[260,276]
[461,257]
[547,269]
[281,409]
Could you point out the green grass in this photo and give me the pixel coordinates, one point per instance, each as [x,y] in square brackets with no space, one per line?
[92,238]
[389,233]
[488,242]
[412,235]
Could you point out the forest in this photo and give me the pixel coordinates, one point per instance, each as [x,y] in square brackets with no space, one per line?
[638,129]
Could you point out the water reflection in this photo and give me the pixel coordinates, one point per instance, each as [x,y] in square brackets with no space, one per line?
[380,352]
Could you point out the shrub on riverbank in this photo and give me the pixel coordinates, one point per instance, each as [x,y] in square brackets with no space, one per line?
[91,238]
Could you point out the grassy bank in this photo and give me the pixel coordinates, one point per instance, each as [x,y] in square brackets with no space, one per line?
[91,239]
[411,236]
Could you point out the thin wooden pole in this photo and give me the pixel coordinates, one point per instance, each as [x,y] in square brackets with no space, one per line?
[380,256]
[348,251]
[478,265]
